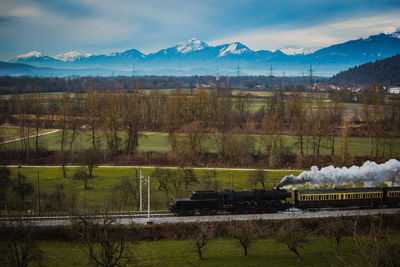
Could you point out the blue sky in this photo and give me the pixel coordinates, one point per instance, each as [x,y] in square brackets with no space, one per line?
[104,26]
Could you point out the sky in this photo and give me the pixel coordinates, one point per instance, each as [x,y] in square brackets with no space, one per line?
[104,26]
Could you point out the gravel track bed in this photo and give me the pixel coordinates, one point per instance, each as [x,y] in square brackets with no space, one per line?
[161,218]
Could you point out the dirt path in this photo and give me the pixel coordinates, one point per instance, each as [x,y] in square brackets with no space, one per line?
[18,139]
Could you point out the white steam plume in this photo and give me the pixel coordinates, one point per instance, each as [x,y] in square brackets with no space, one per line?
[370,173]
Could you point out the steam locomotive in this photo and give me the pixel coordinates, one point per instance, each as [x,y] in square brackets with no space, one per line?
[212,202]
[267,201]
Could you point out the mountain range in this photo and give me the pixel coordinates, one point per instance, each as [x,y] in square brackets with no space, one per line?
[196,57]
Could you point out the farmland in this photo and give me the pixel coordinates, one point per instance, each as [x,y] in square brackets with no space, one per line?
[159,142]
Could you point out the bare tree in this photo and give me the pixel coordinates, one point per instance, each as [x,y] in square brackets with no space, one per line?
[20,248]
[202,237]
[37,110]
[293,235]
[104,245]
[164,177]
[91,158]
[376,248]
[5,184]
[337,228]
[57,197]
[22,188]
[132,119]
[92,114]
[111,119]
[271,139]
[373,115]
[244,233]
[190,146]
[297,117]
[241,103]
[65,110]
[209,179]
[188,177]
[256,177]
[335,114]
[124,193]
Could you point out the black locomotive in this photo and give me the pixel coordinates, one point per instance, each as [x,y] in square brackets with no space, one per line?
[264,201]
[212,202]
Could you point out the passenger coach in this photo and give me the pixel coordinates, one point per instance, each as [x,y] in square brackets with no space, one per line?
[347,197]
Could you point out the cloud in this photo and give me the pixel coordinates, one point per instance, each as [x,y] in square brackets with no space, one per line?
[315,36]
[102,26]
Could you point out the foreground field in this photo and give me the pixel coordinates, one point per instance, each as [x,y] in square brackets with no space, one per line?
[220,252]
[99,193]
[158,142]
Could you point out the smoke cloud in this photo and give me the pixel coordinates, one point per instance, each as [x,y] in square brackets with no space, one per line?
[370,173]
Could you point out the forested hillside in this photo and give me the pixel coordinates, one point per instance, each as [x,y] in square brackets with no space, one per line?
[385,72]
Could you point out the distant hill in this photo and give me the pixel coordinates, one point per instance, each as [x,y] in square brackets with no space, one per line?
[19,69]
[385,72]
[196,57]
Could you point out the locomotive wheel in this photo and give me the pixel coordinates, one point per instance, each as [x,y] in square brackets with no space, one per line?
[204,211]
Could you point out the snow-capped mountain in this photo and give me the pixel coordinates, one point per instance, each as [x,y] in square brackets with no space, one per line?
[32,54]
[71,56]
[234,48]
[291,51]
[195,54]
[191,45]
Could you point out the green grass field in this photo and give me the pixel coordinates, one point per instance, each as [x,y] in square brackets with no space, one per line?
[219,252]
[99,192]
[158,142]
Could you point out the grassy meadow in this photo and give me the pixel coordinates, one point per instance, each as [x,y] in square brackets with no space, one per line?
[317,251]
[158,142]
[105,178]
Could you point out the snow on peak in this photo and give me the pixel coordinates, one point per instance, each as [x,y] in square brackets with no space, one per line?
[233,48]
[396,33]
[297,51]
[30,54]
[191,45]
[71,56]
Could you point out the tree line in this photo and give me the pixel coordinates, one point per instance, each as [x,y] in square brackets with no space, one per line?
[384,71]
[194,118]
[15,85]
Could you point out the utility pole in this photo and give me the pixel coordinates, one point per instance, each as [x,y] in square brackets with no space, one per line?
[237,76]
[283,80]
[217,75]
[231,180]
[140,190]
[148,200]
[180,77]
[271,77]
[38,192]
[310,77]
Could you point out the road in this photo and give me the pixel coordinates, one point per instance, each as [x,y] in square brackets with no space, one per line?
[148,167]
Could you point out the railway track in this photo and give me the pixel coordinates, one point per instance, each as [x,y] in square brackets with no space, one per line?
[65,216]
[160,217]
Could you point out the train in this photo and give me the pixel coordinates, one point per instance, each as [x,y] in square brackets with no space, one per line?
[275,200]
